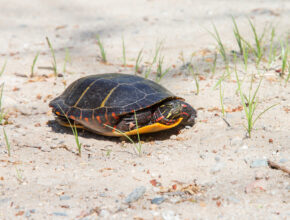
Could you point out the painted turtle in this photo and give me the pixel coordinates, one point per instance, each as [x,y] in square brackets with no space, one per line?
[108,103]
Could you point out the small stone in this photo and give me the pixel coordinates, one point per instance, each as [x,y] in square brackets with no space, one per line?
[283,160]
[59,214]
[244,147]
[136,194]
[259,163]
[257,185]
[259,175]
[237,141]
[158,200]
[233,199]
[104,213]
[64,197]
[170,215]
[217,159]
[216,168]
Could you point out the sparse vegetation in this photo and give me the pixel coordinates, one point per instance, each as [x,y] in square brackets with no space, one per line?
[102,50]
[1,109]
[67,59]
[33,64]
[124,52]
[250,102]
[3,68]
[138,61]
[7,143]
[75,133]
[195,76]
[160,73]
[259,50]
[156,54]
[54,65]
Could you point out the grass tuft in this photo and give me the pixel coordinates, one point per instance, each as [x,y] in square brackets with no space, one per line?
[237,35]
[75,133]
[284,56]
[1,109]
[54,65]
[7,143]
[221,47]
[102,50]
[33,64]
[138,61]
[160,73]
[124,52]
[3,68]
[195,76]
[156,54]
[67,59]
[258,41]
[250,102]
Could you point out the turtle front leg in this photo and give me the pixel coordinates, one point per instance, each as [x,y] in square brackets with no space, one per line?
[128,122]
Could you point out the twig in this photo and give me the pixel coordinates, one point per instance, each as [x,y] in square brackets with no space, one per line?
[278,167]
[228,124]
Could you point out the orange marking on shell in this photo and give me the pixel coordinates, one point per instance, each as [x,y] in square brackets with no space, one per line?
[86,119]
[114,116]
[58,113]
[99,119]
[114,128]
[72,117]
[107,120]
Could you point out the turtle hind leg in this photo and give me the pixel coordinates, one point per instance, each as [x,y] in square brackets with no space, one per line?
[64,122]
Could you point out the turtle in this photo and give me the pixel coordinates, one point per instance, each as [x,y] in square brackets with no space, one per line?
[115,104]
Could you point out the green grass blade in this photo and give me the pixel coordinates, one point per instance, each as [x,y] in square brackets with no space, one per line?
[54,66]
[33,64]
[237,35]
[124,52]
[7,143]
[3,68]
[102,50]
[267,109]
[75,132]
[138,60]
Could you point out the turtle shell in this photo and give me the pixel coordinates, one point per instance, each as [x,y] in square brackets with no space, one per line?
[99,96]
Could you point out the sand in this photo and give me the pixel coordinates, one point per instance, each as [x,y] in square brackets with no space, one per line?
[209,171]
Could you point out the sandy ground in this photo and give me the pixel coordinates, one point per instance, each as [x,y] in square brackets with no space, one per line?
[209,171]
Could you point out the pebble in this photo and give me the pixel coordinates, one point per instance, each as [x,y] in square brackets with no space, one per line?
[136,194]
[158,200]
[216,168]
[283,160]
[237,141]
[170,215]
[104,213]
[64,197]
[233,199]
[4,200]
[59,214]
[259,175]
[217,159]
[259,163]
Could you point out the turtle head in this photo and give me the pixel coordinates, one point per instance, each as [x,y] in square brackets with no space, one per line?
[171,109]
